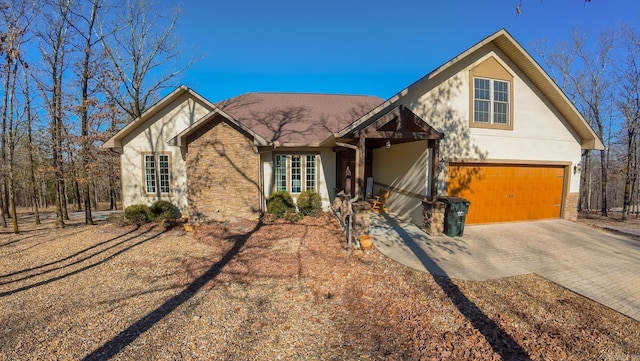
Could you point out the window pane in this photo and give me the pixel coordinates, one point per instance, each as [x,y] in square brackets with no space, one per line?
[482,90]
[311,172]
[163,167]
[501,91]
[150,173]
[482,100]
[500,113]
[296,174]
[281,173]
[481,111]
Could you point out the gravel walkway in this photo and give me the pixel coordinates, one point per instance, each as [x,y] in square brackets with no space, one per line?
[273,291]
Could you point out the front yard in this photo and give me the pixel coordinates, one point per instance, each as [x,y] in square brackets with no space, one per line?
[272,291]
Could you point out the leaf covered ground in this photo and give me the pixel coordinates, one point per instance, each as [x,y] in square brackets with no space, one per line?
[274,290]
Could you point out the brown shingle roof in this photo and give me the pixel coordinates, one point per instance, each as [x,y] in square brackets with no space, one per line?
[298,118]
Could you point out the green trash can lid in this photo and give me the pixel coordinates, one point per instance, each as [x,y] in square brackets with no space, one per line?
[452,200]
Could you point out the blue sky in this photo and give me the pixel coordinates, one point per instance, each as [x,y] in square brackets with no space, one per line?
[361,47]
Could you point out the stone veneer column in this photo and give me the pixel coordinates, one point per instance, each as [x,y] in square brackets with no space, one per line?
[570,211]
[433,212]
[360,219]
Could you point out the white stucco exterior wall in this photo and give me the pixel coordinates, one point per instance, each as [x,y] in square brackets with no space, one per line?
[405,168]
[539,134]
[152,136]
[326,168]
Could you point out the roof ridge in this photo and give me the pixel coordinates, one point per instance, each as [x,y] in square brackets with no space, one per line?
[306,93]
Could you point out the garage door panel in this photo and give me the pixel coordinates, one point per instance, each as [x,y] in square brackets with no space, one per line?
[505,193]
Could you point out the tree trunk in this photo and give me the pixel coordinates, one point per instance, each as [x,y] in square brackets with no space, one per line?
[4,209]
[630,176]
[32,173]
[12,191]
[603,183]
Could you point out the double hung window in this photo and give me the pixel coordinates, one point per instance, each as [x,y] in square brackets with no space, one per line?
[491,102]
[157,177]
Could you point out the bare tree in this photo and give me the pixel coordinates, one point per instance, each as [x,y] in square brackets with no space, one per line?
[86,29]
[17,18]
[628,103]
[519,6]
[54,43]
[141,50]
[585,74]
[29,115]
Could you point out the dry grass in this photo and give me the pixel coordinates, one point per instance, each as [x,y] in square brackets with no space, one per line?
[274,291]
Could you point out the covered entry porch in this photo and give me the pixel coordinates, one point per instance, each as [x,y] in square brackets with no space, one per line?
[397,151]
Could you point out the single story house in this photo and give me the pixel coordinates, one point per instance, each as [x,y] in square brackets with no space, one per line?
[490,125]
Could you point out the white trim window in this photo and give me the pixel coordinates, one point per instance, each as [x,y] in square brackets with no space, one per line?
[157,174]
[490,101]
[281,173]
[310,171]
[296,172]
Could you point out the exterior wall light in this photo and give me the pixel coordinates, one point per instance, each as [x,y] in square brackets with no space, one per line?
[577,169]
[441,163]
[388,145]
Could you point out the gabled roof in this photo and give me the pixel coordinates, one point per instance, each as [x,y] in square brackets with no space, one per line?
[116,140]
[181,139]
[518,55]
[297,118]
[399,123]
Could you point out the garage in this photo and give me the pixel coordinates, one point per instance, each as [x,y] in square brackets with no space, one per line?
[507,192]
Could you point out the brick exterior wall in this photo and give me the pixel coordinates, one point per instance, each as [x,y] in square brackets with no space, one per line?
[570,211]
[222,174]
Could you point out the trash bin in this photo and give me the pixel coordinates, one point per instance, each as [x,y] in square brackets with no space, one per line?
[454,215]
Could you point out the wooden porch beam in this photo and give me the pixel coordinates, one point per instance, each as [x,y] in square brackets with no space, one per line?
[435,165]
[371,133]
[360,154]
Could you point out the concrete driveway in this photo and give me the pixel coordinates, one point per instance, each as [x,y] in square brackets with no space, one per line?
[602,266]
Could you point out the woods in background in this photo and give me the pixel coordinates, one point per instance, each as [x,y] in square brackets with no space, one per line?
[601,75]
[73,73]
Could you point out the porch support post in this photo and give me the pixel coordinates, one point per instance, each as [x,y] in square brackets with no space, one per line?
[435,165]
[360,154]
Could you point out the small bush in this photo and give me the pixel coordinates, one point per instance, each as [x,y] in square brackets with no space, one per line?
[138,214]
[163,211]
[309,203]
[280,203]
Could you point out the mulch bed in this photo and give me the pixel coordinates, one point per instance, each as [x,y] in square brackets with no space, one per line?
[274,290]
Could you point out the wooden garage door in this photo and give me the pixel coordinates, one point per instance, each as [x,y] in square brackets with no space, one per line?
[506,193]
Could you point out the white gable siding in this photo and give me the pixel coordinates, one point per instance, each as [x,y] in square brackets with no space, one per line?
[539,134]
[152,136]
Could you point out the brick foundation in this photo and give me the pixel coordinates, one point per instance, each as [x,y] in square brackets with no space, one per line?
[222,174]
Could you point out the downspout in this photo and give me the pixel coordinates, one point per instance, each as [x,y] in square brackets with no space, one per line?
[261,198]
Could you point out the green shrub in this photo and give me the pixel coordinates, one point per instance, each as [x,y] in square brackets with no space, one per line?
[309,203]
[138,214]
[280,203]
[163,211]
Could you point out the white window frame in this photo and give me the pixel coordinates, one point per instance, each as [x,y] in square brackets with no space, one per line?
[492,102]
[291,172]
[156,173]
